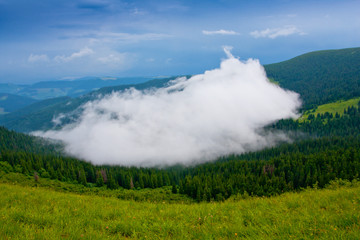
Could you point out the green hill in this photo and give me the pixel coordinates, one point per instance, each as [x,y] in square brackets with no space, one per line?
[334,108]
[40,115]
[10,102]
[40,213]
[272,171]
[320,77]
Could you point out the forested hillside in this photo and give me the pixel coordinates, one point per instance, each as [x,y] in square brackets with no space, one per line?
[320,77]
[40,115]
[327,148]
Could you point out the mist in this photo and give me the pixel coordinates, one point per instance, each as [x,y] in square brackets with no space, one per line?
[222,111]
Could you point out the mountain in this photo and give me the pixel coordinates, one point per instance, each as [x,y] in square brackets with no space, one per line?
[320,77]
[40,115]
[10,88]
[10,102]
[73,88]
[35,116]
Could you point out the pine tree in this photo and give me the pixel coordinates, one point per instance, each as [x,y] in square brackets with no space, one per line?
[99,179]
[174,189]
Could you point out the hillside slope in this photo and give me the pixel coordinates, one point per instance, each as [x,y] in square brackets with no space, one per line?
[39,116]
[320,77]
[10,102]
[38,213]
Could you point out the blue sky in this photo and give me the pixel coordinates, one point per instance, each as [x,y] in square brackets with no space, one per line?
[52,39]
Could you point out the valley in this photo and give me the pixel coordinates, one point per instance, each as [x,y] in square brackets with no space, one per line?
[303,188]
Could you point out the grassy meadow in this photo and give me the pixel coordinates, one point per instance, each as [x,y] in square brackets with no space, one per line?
[29,212]
[335,107]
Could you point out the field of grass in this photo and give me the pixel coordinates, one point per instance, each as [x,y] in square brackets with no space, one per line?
[335,107]
[162,194]
[38,213]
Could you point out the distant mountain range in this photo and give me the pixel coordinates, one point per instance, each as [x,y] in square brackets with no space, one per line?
[40,115]
[10,102]
[74,88]
[319,77]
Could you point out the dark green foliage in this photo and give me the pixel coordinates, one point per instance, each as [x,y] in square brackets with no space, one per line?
[327,148]
[174,189]
[22,142]
[320,77]
[285,172]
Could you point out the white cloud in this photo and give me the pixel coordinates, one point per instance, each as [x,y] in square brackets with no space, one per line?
[82,53]
[38,58]
[277,32]
[220,112]
[220,32]
[116,37]
[113,58]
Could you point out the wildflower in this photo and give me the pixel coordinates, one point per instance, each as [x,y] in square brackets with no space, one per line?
[235,234]
[107,227]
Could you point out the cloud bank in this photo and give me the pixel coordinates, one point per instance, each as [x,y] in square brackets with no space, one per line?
[276,32]
[193,120]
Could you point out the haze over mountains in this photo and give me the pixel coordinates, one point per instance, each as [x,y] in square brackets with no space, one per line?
[60,88]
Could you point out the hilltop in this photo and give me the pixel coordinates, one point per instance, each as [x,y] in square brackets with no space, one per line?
[320,77]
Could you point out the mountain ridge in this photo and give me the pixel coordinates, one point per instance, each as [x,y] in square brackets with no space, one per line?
[319,77]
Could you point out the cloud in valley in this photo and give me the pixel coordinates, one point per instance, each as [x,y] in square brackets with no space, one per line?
[219,112]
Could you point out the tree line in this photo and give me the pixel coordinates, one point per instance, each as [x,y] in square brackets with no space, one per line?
[327,147]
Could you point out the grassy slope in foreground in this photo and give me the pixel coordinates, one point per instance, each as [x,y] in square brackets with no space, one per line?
[37,213]
[335,107]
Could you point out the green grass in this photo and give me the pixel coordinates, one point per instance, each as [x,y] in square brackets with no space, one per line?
[38,213]
[162,194]
[272,80]
[335,107]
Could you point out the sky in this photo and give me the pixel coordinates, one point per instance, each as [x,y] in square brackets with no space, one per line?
[69,39]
